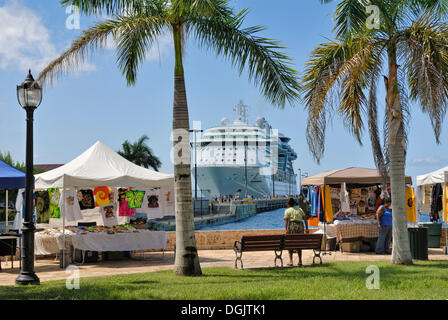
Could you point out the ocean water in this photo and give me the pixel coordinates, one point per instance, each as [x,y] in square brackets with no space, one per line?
[271,220]
[264,220]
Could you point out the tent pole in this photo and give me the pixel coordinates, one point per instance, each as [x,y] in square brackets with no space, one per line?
[63,227]
[6,213]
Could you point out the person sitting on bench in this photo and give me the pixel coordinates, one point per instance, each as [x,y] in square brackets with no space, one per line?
[294,223]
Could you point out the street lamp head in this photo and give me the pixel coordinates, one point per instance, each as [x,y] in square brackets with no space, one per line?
[29,93]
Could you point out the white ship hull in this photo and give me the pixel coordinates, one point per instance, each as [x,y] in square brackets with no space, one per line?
[216,181]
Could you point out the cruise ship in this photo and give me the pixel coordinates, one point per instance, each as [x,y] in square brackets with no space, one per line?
[244,160]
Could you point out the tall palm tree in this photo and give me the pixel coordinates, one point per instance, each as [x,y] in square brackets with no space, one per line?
[410,44]
[140,153]
[135,25]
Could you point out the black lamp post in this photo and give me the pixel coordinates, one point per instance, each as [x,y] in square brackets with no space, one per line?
[29,94]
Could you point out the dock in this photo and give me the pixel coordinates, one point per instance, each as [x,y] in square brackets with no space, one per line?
[215,213]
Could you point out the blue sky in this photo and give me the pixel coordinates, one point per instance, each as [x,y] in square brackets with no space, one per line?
[95,103]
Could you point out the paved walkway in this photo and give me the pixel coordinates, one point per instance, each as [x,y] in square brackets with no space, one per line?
[48,269]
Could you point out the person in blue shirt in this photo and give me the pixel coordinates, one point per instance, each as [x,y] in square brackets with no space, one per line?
[384,218]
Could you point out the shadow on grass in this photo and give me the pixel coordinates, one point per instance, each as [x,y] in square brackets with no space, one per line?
[164,285]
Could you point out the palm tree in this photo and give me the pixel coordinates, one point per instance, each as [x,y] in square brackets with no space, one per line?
[140,153]
[135,25]
[411,45]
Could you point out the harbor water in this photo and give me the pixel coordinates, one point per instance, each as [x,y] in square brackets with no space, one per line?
[270,220]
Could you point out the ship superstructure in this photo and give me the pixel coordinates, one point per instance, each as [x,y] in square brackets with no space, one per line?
[245,160]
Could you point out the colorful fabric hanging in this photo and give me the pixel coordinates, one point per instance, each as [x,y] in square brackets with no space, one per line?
[411,211]
[328,205]
[321,207]
[102,196]
[42,206]
[55,195]
[445,204]
[135,198]
[123,205]
[313,200]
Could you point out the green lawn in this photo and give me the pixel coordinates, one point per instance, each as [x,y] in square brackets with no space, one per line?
[342,280]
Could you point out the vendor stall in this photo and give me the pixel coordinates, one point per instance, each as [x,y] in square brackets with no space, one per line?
[343,203]
[10,179]
[112,193]
[432,194]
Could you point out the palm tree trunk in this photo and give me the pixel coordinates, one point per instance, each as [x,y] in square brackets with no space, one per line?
[187,260]
[401,253]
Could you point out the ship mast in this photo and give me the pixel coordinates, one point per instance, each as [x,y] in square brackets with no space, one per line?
[241,112]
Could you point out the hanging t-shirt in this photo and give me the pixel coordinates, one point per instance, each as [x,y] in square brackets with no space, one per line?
[135,198]
[42,206]
[55,195]
[411,211]
[344,198]
[102,196]
[70,204]
[151,205]
[123,205]
[108,213]
[313,199]
[321,205]
[86,199]
[166,199]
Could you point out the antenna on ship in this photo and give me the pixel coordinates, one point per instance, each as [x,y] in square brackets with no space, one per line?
[241,112]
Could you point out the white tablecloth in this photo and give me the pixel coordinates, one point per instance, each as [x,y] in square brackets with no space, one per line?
[101,241]
[46,244]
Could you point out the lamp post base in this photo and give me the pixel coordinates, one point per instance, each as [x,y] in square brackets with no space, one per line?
[27,278]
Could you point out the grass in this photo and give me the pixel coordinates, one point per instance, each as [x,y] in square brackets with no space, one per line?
[339,280]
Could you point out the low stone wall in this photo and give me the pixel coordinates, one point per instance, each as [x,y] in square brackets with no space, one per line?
[224,239]
[443,238]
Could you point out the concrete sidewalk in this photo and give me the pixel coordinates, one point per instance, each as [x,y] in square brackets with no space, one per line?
[48,269]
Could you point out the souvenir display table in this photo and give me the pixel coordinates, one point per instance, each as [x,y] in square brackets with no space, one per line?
[118,238]
[352,229]
[50,241]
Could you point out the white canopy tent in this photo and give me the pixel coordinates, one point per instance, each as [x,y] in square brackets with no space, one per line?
[423,183]
[438,176]
[101,166]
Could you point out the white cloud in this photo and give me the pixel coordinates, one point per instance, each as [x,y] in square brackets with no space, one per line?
[426,161]
[25,41]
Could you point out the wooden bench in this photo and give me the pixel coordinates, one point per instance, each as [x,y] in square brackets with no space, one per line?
[259,243]
[278,243]
[303,241]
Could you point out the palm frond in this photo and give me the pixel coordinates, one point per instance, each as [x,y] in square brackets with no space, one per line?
[134,36]
[263,58]
[131,33]
[114,7]
[426,53]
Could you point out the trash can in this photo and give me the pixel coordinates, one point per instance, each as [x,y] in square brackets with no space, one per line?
[434,233]
[418,242]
